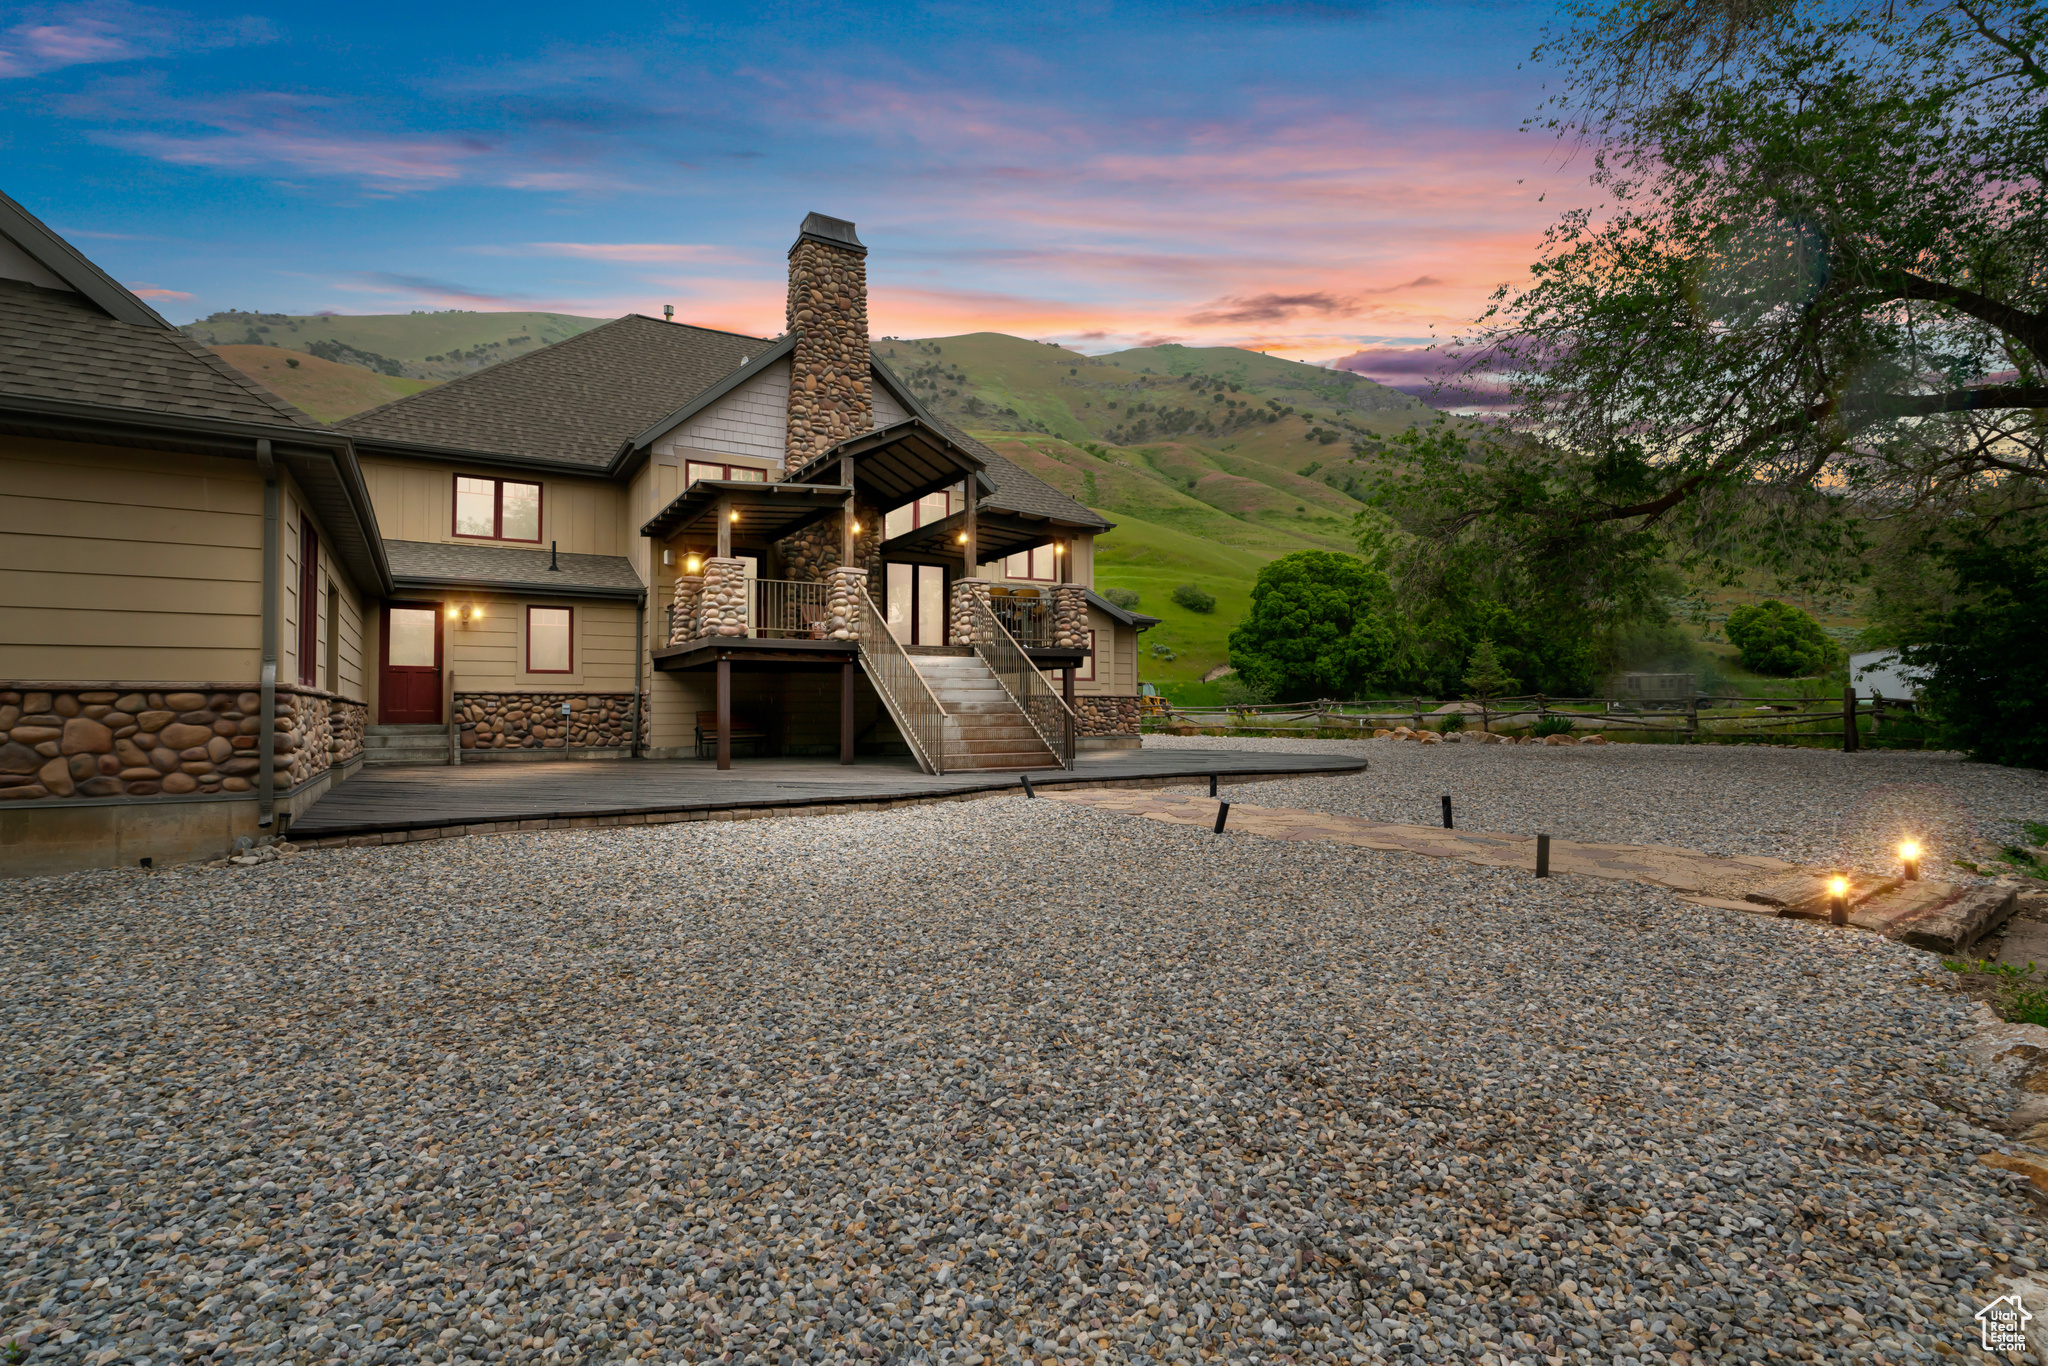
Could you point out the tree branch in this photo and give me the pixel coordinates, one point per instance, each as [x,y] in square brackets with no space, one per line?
[2031,329]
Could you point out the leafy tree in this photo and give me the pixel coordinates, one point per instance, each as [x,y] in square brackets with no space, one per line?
[1194,598]
[1817,285]
[1469,566]
[1776,638]
[1318,627]
[1985,655]
[1485,676]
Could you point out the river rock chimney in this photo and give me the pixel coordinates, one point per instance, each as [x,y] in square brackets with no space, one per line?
[830,393]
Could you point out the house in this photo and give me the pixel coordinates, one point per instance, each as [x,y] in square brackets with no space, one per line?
[650,541]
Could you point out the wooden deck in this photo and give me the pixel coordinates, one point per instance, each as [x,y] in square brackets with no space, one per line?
[395,804]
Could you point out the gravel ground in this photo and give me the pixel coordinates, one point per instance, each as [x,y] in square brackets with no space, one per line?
[1003,1080]
[1809,806]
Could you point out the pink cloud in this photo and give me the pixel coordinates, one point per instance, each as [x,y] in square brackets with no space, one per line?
[114,31]
[389,162]
[634,252]
[32,49]
[152,292]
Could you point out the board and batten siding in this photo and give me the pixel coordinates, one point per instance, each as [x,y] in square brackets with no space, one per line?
[751,422]
[415,501]
[1116,656]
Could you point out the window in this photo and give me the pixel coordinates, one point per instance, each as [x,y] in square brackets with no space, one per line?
[548,649]
[309,602]
[497,509]
[333,637]
[1032,564]
[698,469]
[1086,673]
[933,507]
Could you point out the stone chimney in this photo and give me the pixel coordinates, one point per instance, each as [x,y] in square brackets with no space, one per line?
[830,397]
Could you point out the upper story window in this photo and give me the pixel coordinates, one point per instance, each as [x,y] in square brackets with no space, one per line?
[931,508]
[699,469]
[497,509]
[1032,564]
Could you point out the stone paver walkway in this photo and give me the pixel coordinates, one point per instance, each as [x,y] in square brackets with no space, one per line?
[1681,870]
[1931,915]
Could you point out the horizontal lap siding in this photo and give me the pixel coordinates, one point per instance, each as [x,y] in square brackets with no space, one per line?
[489,655]
[1116,656]
[128,564]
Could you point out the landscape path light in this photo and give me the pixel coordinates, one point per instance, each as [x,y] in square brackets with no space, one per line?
[1838,901]
[1909,855]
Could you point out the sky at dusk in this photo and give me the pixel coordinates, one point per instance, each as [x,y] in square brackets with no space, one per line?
[1311,177]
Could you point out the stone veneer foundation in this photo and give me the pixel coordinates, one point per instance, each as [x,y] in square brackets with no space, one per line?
[534,720]
[126,740]
[1100,714]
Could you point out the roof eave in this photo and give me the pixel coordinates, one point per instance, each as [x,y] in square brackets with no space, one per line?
[525,586]
[71,265]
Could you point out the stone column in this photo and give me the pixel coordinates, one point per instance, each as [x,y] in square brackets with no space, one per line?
[830,386]
[1070,616]
[689,590]
[722,606]
[971,613]
[843,603]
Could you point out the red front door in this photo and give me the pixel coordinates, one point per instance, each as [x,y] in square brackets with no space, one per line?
[410,657]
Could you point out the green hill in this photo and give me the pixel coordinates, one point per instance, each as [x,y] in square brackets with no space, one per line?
[1211,460]
[409,345]
[320,388]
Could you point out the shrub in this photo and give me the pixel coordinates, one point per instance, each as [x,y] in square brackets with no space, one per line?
[1779,639]
[1193,598]
[1452,723]
[1126,598]
[1552,725]
[1317,627]
[1240,692]
[1985,661]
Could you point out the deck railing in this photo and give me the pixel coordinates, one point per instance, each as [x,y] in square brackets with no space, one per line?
[1027,619]
[912,707]
[1033,693]
[777,609]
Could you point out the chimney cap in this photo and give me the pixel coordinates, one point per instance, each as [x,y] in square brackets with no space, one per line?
[833,232]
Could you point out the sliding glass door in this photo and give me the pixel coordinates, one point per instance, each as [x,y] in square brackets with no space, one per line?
[917,603]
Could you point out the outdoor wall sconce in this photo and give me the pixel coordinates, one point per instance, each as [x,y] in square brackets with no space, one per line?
[1059,547]
[692,565]
[734,515]
[466,613]
[963,538]
[1909,855]
[1838,901]
[856,528]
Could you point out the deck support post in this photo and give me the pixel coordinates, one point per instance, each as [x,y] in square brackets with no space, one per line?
[970,548]
[725,528]
[724,713]
[846,712]
[848,537]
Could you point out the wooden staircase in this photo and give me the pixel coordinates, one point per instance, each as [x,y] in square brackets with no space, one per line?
[984,727]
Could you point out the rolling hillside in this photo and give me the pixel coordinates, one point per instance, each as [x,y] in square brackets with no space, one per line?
[323,389]
[401,345]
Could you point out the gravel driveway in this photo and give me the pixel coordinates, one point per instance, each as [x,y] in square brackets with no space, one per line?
[1809,806]
[1003,1079]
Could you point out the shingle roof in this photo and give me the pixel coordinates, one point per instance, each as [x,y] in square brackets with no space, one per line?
[574,402]
[437,562]
[58,345]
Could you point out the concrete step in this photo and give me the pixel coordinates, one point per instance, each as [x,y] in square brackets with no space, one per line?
[409,746]
[406,730]
[982,762]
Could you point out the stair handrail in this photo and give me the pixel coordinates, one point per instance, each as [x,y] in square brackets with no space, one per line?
[909,698]
[1034,694]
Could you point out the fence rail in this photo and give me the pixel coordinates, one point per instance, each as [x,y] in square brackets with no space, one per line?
[1723,718]
[1033,693]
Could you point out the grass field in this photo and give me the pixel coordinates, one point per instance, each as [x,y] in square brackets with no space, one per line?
[413,345]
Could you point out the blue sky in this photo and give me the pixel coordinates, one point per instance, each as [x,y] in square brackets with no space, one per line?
[1309,177]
